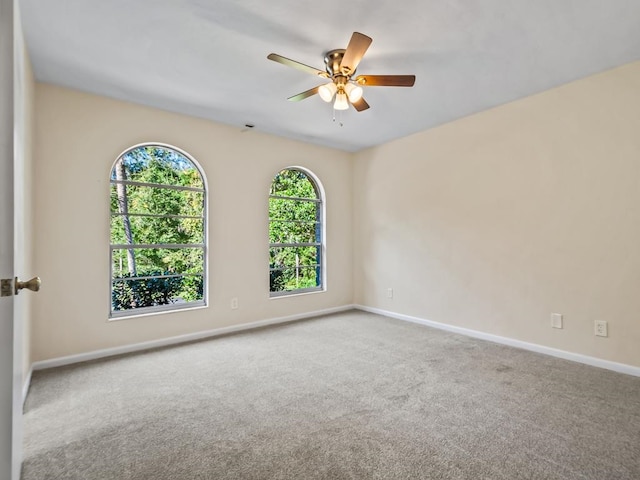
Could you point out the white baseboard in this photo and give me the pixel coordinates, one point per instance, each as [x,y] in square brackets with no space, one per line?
[554,352]
[26,384]
[137,347]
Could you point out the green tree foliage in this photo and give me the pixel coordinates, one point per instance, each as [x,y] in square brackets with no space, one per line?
[158,215]
[145,292]
[294,232]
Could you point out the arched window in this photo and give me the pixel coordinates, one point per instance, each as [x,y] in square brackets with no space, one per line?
[296,214]
[158,231]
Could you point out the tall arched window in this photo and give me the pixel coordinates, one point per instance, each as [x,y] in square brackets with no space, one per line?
[296,215]
[158,231]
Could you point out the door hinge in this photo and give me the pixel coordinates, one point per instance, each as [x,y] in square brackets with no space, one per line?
[6,287]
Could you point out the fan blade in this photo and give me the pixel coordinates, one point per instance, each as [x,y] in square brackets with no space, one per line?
[303,95]
[386,80]
[360,105]
[297,65]
[354,53]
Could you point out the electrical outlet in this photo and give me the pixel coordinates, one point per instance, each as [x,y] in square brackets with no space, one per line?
[556,320]
[601,329]
[389,292]
[234,303]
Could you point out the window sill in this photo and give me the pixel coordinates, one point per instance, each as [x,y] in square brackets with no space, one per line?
[128,315]
[295,293]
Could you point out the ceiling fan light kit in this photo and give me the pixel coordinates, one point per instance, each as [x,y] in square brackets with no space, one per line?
[340,67]
[341,102]
[354,92]
[327,91]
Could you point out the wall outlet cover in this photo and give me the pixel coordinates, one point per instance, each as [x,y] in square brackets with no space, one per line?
[556,320]
[601,328]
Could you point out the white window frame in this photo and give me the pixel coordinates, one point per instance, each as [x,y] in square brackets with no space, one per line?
[320,199]
[157,309]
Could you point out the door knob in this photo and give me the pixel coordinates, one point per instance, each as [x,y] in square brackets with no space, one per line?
[33,284]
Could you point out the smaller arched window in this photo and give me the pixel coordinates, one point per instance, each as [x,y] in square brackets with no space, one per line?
[158,231]
[296,249]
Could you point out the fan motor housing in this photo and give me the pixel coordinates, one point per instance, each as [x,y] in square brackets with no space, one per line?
[332,60]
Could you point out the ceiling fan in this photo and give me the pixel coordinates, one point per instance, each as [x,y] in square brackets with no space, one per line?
[340,68]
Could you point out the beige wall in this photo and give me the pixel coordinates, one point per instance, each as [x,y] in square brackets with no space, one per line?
[494,221]
[490,223]
[79,136]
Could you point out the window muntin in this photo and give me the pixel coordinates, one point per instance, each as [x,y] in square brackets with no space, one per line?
[158,232]
[295,234]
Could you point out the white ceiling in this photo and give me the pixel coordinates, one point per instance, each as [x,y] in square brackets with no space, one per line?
[208,58]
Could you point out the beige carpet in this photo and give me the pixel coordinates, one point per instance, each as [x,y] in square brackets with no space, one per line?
[348,396]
